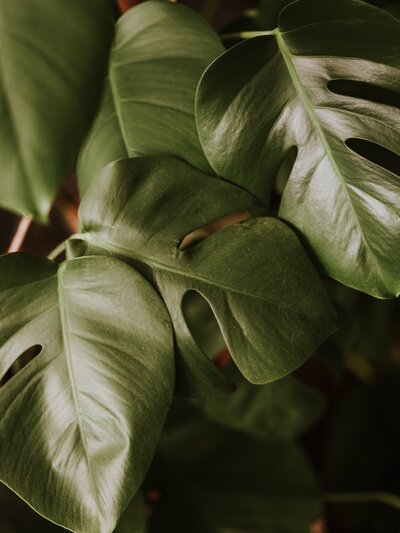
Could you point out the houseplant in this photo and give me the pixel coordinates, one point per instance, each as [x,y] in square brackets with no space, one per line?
[187,139]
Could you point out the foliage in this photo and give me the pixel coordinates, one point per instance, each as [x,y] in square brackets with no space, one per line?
[295,93]
[52,63]
[294,132]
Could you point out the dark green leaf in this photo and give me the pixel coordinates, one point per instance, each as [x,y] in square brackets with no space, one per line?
[133,520]
[365,324]
[268,12]
[80,422]
[17,517]
[275,412]
[255,275]
[52,60]
[362,454]
[161,50]
[219,481]
[328,82]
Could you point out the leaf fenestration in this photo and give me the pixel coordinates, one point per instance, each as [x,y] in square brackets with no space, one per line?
[85,415]
[271,93]
[262,288]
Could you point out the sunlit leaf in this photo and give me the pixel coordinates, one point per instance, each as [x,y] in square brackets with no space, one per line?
[258,280]
[327,81]
[81,421]
[159,54]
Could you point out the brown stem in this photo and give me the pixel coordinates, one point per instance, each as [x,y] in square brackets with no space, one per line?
[20,234]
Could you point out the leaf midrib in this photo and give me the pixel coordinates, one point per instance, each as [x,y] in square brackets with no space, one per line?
[310,110]
[67,352]
[156,265]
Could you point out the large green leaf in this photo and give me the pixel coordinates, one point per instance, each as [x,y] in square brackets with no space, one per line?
[80,422]
[218,481]
[53,57]
[259,282]
[160,52]
[274,92]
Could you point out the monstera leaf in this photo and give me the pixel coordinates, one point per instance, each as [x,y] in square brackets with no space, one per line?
[259,282]
[327,84]
[52,59]
[80,422]
[160,52]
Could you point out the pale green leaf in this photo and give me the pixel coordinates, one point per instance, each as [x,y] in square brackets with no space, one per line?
[160,51]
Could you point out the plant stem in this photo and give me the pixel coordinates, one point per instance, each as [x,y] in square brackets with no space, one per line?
[57,251]
[20,234]
[246,34]
[386,498]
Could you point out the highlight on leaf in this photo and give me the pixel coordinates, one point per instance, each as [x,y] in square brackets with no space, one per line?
[95,399]
[317,82]
[159,54]
[270,305]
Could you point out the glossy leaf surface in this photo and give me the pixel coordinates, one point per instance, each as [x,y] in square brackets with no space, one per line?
[328,82]
[160,51]
[255,275]
[52,61]
[81,421]
[17,517]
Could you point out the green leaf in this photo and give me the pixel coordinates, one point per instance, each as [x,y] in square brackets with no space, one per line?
[17,517]
[258,280]
[81,421]
[326,81]
[365,324]
[133,520]
[278,411]
[160,51]
[52,60]
[228,482]
[268,12]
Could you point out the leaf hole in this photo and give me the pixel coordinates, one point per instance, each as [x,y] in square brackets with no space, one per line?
[376,153]
[285,169]
[20,362]
[366,91]
[195,237]
[202,324]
